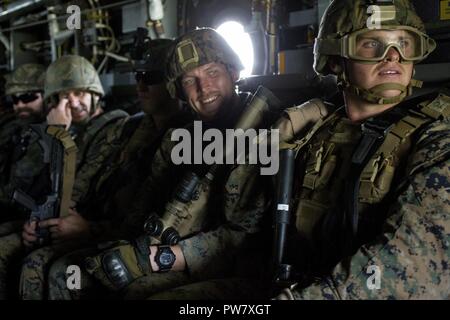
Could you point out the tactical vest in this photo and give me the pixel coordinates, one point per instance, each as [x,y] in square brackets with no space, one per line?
[324,159]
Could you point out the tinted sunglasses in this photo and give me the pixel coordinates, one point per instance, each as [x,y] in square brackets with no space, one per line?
[149,78]
[25,98]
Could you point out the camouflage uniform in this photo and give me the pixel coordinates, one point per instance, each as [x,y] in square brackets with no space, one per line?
[17,139]
[118,185]
[402,204]
[204,253]
[104,197]
[235,205]
[5,118]
[95,144]
[411,249]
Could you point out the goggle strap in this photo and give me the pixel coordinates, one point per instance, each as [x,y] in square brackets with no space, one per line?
[330,47]
[340,47]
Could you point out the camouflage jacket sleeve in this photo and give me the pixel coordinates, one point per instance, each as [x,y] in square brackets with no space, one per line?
[412,255]
[222,251]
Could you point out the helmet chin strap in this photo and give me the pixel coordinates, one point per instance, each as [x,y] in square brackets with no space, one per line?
[373,95]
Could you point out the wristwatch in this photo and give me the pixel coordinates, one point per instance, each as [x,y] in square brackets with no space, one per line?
[164,258]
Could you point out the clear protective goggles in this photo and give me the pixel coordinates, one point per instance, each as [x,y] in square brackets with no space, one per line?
[372,45]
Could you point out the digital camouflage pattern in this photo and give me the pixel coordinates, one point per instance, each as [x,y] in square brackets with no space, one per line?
[15,136]
[122,221]
[343,17]
[236,206]
[110,175]
[72,72]
[224,251]
[21,163]
[94,150]
[412,250]
[25,164]
[194,49]
[92,289]
[94,142]
[119,179]
[105,188]
[28,77]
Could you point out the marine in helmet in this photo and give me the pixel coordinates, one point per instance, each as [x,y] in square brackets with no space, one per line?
[72,92]
[371,201]
[370,192]
[114,189]
[202,71]
[24,89]
[25,86]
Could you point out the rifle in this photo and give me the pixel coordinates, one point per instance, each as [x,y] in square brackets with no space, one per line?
[179,220]
[58,151]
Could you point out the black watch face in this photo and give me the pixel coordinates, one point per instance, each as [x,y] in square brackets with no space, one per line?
[166,258]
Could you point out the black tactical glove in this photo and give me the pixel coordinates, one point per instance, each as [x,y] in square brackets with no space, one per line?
[120,264]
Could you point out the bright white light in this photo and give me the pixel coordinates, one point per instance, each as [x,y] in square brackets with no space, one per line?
[241,43]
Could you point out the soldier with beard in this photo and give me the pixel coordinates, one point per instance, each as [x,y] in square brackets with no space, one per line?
[116,185]
[202,71]
[25,87]
[72,92]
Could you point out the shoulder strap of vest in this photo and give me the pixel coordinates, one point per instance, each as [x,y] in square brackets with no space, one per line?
[416,118]
[69,159]
[361,181]
[319,123]
[439,107]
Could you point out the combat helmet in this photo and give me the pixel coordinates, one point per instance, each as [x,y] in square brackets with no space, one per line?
[72,72]
[194,49]
[28,77]
[149,57]
[346,21]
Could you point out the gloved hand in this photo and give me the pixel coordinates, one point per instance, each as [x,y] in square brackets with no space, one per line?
[120,264]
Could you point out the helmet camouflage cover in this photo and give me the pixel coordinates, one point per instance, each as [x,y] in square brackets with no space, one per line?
[346,27]
[194,49]
[72,72]
[344,17]
[26,78]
